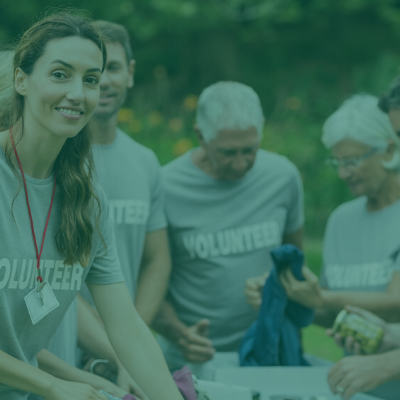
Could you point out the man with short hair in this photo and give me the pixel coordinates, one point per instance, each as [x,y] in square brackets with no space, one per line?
[228,203]
[129,174]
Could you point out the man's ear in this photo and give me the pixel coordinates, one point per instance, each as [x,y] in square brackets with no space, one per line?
[21,82]
[199,135]
[131,73]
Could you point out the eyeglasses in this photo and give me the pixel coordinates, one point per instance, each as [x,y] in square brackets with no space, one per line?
[349,164]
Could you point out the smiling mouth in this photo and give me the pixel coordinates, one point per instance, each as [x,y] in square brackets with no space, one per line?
[69,113]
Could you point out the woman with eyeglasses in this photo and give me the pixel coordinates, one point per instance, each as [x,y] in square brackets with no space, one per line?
[361,263]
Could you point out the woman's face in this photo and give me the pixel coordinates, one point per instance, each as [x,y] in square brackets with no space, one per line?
[63,89]
[369,176]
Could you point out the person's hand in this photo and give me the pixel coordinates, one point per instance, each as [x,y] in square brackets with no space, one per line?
[253,290]
[112,389]
[194,343]
[355,374]
[125,382]
[391,338]
[63,390]
[307,292]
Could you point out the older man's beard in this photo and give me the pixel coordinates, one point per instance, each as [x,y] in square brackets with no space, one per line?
[104,116]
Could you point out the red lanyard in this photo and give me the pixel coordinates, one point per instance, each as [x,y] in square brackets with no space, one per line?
[38,255]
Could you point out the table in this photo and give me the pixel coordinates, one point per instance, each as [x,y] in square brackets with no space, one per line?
[304,382]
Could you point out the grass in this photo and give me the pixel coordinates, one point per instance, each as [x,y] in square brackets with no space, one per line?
[315,341]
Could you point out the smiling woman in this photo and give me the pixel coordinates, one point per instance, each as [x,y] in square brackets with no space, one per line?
[47,192]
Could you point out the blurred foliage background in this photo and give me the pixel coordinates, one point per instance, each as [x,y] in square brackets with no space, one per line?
[303,57]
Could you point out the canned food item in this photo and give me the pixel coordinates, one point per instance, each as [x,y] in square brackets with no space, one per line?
[368,335]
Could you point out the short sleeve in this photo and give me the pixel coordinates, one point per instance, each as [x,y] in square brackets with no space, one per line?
[157,219]
[105,268]
[295,216]
[322,279]
[395,256]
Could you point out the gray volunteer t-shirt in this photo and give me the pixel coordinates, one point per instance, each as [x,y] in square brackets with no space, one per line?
[18,336]
[360,253]
[361,248]
[221,233]
[64,342]
[129,174]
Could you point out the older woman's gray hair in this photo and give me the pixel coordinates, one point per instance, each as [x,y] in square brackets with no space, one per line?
[360,119]
[6,78]
[228,105]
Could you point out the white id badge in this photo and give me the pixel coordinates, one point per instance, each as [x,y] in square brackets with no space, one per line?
[41,303]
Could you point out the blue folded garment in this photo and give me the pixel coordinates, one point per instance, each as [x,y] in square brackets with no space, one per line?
[274,339]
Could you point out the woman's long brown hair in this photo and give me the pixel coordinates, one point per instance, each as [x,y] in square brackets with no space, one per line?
[74,163]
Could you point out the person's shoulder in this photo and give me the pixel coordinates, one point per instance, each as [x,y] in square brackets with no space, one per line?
[177,165]
[278,163]
[347,209]
[136,148]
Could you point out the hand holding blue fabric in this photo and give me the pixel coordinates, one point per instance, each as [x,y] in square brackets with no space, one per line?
[253,290]
[274,339]
[306,292]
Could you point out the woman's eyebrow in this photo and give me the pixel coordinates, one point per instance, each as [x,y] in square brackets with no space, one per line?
[63,63]
[72,67]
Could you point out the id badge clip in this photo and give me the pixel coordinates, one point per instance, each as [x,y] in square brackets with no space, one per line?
[41,301]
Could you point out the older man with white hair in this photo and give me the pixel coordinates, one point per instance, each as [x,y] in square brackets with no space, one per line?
[228,203]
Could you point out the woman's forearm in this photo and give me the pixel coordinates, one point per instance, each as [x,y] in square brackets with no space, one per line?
[23,376]
[392,365]
[92,337]
[133,342]
[385,305]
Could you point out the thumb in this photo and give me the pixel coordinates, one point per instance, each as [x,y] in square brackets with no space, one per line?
[309,275]
[202,327]
[202,324]
[262,279]
[366,315]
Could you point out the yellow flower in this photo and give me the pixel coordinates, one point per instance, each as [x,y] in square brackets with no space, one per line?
[135,126]
[160,72]
[182,146]
[293,103]
[125,115]
[190,103]
[154,118]
[175,125]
